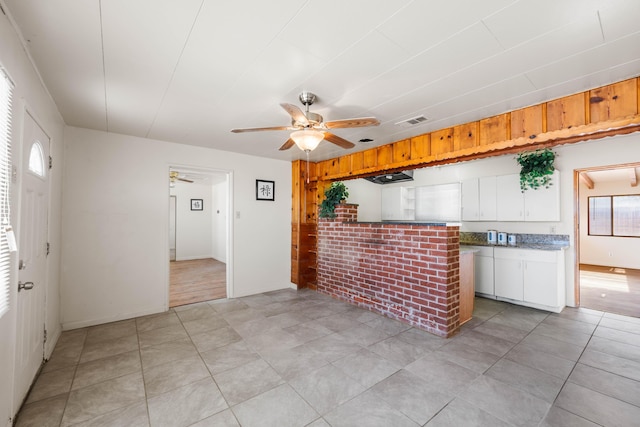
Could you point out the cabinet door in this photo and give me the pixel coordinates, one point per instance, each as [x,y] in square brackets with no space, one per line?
[508,278]
[470,199]
[484,274]
[541,282]
[509,198]
[543,204]
[487,198]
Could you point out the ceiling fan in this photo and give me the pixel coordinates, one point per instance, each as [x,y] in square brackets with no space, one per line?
[310,128]
[175,176]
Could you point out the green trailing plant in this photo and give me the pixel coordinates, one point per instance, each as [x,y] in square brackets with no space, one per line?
[333,195]
[536,169]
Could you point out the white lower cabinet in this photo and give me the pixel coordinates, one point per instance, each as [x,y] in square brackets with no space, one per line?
[530,277]
[483,268]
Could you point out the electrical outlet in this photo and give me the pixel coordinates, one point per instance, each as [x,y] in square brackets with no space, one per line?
[553,229]
[237,214]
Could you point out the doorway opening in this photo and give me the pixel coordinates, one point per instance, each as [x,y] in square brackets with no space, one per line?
[608,239]
[198,235]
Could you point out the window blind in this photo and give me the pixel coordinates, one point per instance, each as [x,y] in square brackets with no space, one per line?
[6,91]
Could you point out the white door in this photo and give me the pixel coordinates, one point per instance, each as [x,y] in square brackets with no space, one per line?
[32,254]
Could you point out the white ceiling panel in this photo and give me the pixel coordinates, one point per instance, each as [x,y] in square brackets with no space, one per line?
[190,71]
[329,27]
[370,57]
[420,25]
[466,47]
[135,84]
[527,19]
[621,51]
[81,98]
[620,21]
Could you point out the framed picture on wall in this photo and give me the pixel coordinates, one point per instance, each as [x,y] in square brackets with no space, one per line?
[265,190]
[196,205]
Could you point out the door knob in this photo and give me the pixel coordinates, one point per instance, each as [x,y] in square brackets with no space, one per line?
[26,286]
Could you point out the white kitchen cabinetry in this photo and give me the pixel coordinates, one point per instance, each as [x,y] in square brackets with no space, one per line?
[530,277]
[398,204]
[483,268]
[542,204]
[479,199]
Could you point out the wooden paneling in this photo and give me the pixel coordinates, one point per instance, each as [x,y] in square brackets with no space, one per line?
[441,141]
[465,136]
[370,158]
[528,122]
[385,156]
[402,151]
[357,161]
[566,112]
[614,101]
[420,146]
[345,165]
[495,129]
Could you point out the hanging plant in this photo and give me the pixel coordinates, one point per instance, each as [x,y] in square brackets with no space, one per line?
[536,169]
[333,195]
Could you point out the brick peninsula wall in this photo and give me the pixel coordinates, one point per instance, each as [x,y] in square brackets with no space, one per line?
[405,271]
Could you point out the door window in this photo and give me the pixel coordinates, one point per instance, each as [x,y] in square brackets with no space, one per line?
[36,159]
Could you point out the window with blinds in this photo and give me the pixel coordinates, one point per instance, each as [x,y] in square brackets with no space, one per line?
[6,90]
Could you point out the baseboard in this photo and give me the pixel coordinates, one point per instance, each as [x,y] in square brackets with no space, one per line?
[67,326]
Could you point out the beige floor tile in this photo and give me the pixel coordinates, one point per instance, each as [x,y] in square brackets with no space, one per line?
[51,384]
[168,376]
[186,405]
[107,368]
[99,399]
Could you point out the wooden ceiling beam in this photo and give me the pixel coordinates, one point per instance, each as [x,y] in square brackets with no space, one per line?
[584,177]
[633,177]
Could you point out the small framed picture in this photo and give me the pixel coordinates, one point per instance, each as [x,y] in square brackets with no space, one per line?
[265,190]
[196,205]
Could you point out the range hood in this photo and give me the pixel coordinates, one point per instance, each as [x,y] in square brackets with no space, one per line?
[389,178]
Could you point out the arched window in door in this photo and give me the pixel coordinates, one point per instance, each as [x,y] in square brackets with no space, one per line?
[36,159]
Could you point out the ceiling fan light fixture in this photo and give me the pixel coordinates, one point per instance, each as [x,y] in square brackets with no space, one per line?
[307,139]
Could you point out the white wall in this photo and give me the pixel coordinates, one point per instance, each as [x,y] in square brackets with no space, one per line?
[115,223]
[193,228]
[30,94]
[605,250]
[608,151]
[219,203]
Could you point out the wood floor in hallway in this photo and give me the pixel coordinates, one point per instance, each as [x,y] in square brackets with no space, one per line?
[611,289]
[196,281]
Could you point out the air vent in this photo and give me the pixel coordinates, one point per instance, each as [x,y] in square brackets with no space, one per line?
[412,121]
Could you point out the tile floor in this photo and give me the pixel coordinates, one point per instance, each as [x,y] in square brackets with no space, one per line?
[298,358]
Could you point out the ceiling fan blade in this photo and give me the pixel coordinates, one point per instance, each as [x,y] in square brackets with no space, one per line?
[335,139]
[352,123]
[296,114]
[184,179]
[267,128]
[290,143]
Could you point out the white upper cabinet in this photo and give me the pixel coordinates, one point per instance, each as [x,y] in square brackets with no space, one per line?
[542,204]
[479,199]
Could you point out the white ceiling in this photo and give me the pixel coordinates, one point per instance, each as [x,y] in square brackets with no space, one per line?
[188,71]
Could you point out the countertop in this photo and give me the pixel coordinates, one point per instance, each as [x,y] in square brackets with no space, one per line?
[537,246]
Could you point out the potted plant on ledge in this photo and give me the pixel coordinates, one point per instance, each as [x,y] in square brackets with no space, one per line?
[336,193]
[536,168]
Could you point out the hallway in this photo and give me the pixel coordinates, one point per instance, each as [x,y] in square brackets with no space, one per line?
[196,281]
[298,358]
